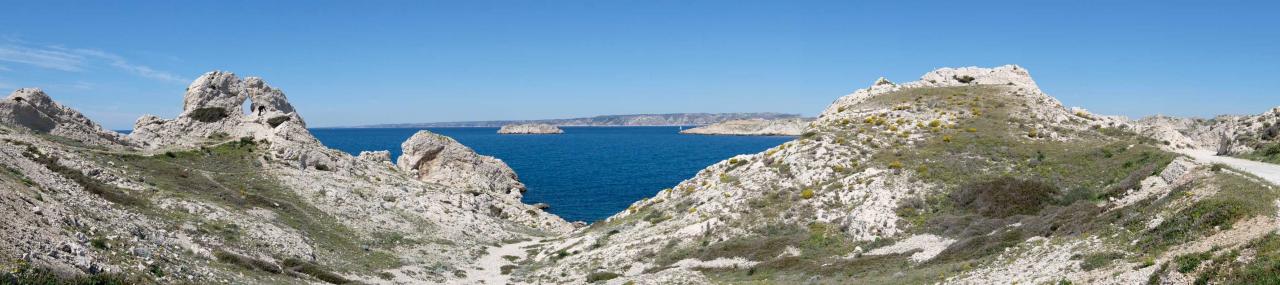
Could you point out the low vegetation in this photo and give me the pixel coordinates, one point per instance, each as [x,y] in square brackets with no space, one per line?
[208,114]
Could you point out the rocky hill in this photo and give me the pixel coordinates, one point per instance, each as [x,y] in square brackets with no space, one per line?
[966,176]
[530,129]
[754,127]
[675,119]
[218,196]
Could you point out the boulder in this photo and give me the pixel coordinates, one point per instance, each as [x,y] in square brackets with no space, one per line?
[440,159]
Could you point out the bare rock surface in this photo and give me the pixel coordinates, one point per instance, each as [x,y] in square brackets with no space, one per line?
[755,127]
[530,129]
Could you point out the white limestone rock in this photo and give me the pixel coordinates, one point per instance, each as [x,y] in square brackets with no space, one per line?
[530,129]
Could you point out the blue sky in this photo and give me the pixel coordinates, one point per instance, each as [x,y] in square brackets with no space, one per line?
[363,62]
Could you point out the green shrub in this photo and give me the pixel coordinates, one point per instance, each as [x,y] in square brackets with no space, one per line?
[25,274]
[276,121]
[246,262]
[208,114]
[601,276]
[1188,262]
[963,79]
[1097,260]
[1003,197]
[314,270]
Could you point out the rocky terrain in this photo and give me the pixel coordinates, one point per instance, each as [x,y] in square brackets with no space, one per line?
[754,127]
[221,196]
[966,176]
[675,119]
[530,129]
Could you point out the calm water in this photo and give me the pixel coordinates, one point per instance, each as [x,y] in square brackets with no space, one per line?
[587,173]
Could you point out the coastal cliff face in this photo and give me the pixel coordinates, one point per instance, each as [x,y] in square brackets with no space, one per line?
[530,129]
[219,195]
[757,127]
[966,176]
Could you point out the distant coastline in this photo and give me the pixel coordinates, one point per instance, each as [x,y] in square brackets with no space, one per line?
[633,120]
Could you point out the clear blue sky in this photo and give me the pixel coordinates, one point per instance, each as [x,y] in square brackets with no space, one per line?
[353,62]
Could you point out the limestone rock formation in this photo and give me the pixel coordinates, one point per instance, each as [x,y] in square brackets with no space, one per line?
[213,107]
[778,127]
[32,109]
[530,129]
[224,196]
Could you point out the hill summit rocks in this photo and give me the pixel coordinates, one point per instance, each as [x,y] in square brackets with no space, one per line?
[213,106]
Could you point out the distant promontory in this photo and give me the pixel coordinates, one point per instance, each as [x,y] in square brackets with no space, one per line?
[542,129]
[753,127]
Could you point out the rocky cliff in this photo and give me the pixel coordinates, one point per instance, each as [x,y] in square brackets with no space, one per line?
[758,127]
[530,129]
[219,195]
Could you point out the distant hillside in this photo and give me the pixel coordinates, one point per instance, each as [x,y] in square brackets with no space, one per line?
[676,119]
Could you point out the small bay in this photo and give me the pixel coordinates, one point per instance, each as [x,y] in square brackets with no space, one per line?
[587,173]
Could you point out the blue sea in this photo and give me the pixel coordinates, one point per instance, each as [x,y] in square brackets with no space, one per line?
[585,174]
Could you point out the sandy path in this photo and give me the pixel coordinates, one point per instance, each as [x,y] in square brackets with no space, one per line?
[1268,171]
[488,269]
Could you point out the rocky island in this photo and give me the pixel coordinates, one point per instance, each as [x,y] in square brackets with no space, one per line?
[966,176]
[754,127]
[530,129]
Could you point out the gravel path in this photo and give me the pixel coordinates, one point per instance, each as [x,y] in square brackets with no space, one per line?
[1268,171]
[488,269]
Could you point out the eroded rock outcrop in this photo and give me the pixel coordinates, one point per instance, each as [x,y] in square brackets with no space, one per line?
[755,127]
[213,108]
[530,129]
[32,109]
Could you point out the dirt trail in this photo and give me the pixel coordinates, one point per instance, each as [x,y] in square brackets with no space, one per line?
[1268,171]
